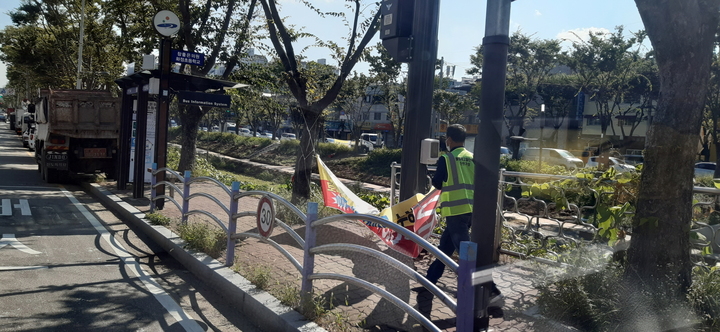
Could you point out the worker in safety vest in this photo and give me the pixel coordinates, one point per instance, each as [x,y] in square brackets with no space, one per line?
[455,176]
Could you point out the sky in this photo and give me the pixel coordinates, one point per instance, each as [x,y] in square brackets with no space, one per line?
[462,24]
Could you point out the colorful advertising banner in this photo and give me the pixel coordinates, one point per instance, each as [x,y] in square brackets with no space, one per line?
[336,195]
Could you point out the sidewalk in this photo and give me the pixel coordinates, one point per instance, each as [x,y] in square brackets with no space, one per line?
[354,306]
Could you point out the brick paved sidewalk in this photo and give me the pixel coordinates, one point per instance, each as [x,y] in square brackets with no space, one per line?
[354,306]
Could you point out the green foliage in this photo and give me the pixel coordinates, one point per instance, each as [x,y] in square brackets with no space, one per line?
[704,296]
[586,294]
[530,166]
[378,161]
[332,150]
[203,237]
[158,219]
[259,276]
[377,200]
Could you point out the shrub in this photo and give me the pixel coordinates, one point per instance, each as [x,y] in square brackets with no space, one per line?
[704,295]
[158,219]
[378,161]
[202,237]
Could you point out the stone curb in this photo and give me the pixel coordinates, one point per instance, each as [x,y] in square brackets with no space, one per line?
[264,310]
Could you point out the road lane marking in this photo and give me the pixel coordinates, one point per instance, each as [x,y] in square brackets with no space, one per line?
[24,207]
[151,285]
[6,208]
[19,268]
[12,241]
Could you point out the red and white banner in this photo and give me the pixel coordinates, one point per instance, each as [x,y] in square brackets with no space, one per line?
[337,195]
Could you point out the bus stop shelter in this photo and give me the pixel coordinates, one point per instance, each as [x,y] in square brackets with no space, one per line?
[140,88]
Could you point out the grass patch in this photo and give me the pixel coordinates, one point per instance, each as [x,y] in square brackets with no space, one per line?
[203,237]
[158,219]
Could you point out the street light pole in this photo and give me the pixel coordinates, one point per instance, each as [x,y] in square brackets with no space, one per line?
[487,153]
[542,142]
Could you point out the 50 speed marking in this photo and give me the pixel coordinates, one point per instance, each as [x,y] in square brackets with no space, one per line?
[265,217]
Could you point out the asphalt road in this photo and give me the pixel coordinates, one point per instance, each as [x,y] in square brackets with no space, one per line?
[67,263]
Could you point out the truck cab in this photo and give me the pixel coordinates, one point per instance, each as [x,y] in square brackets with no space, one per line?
[374,139]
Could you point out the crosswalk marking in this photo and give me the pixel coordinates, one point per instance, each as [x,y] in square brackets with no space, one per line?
[24,207]
[6,208]
[12,241]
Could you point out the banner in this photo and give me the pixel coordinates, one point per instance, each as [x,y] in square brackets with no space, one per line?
[336,195]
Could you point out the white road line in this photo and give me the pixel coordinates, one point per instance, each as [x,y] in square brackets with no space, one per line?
[11,240]
[18,268]
[24,207]
[6,208]
[152,286]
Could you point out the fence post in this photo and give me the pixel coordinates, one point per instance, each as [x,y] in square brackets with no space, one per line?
[186,196]
[465,288]
[232,225]
[153,182]
[308,258]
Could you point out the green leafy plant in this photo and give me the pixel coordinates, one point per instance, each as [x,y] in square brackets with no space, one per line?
[158,219]
[202,237]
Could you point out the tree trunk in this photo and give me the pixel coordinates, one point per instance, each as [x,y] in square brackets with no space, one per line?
[190,119]
[682,35]
[306,156]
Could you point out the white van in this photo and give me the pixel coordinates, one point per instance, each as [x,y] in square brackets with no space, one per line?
[374,139]
[287,136]
[550,156]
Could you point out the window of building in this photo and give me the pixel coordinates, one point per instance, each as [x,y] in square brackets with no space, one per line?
[366,116]
[377,116]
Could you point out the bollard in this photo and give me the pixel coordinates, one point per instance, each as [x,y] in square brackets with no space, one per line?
[466,293]
[186,196]
[308,258]
[232,225]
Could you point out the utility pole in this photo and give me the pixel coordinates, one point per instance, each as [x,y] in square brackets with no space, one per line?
[421,78]
[487,147]
[78,84]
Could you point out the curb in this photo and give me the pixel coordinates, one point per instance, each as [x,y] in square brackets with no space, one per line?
[264,310]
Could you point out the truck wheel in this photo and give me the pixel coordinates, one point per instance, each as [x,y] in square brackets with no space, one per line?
[52,175]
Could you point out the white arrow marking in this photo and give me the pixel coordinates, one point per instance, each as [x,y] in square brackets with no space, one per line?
[11,240]
[24,207]
[6,209]
[388,6]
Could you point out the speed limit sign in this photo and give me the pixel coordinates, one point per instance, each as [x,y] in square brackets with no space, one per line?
[265,217]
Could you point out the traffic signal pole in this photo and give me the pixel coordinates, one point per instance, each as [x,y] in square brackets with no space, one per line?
[421,74]
[162,119]
[487,147]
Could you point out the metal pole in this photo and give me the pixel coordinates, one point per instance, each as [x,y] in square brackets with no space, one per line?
[421,75]
[162,120]
[487,148]
[140,144]
[542,143]
[78,84]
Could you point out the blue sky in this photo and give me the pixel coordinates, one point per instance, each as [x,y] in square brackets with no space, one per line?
[462,23]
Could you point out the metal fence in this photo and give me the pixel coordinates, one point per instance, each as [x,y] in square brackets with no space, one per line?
[528,235]
[464,268]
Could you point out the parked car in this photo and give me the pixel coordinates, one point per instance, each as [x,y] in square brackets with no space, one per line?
[705,168]
[245,132]
[551,156]
[215,129]
[2,117]
[505,152]
[634,159]
[615,163]
[287,136]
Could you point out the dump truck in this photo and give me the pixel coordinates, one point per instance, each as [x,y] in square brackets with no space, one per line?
[77,131]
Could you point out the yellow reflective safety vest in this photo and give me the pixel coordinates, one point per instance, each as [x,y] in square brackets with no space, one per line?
[457,190]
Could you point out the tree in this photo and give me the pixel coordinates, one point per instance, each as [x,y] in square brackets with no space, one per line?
[530,63]
[607,67]
[682,34]
[452,107]
[387,78]
[311,103]
[356,99]
[711,116]
[205,27]
[559,96]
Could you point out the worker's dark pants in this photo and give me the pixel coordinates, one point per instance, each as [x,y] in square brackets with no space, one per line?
[456,231]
